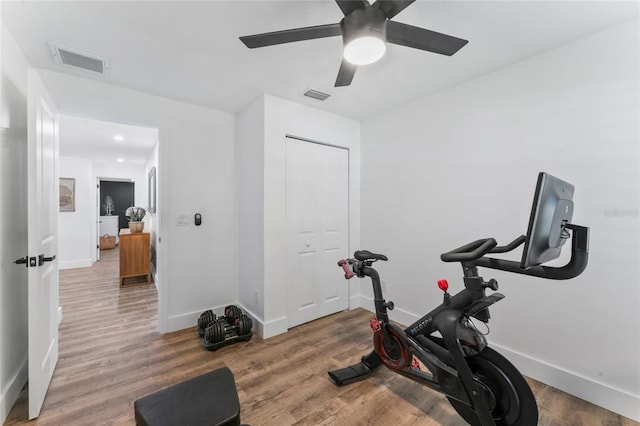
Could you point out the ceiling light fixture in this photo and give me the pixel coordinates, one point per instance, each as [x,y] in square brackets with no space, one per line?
[364,50]
[120,160]
[119,138]
[364,36]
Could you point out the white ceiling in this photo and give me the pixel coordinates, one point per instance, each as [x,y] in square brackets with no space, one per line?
[106,143]
[190,50]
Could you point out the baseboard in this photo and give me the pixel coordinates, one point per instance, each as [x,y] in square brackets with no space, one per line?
[15,385]
[274,327]
[189,320]
[573,383]
[266,329]
[182,321]
[354,302]
[74,264]
[258,324]
[600,394]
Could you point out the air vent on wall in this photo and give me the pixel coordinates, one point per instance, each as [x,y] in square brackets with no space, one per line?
[80,60]
[316,94]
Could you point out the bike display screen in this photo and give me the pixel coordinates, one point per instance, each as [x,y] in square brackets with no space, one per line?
[552,210]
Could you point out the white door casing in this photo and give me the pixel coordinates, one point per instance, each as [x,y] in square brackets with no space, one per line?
[317,206]
[97,219]
[42,229]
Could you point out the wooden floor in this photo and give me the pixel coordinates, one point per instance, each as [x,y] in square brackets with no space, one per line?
[111,355]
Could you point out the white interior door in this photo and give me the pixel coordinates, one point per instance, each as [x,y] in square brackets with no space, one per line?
[43,242]
[317,198]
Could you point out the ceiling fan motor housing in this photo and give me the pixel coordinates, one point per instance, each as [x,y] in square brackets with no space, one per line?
[369,21]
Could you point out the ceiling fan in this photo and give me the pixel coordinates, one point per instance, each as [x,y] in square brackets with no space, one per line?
[365,30]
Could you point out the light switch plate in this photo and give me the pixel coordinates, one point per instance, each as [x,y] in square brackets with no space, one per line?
[182,219]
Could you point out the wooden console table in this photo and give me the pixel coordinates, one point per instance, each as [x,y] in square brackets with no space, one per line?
[135,257]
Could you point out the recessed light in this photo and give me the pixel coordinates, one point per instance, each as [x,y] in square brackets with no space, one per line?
[119,138]
[120,160]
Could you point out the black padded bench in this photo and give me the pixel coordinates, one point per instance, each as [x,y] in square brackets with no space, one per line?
[210,399]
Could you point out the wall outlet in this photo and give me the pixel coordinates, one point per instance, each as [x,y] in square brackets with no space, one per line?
[383,284]
[257,297]
[182,219]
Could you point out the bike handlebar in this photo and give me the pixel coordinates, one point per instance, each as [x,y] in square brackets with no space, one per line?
[508,247]
[475,250]
[348,274]
[471,251]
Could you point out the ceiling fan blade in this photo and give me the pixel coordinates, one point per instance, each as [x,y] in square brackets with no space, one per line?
[391,8]
[420,38]
[345,74]
[348,6]
[288,36]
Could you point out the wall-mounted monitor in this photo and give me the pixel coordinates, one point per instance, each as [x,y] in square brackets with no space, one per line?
[552,210]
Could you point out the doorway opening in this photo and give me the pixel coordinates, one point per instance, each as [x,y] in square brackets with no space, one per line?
[114,198]
[110,163]
[117,196]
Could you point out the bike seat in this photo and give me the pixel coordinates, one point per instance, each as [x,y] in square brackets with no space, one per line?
[363,255]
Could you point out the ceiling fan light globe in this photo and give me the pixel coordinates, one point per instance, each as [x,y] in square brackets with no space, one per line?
[364,50]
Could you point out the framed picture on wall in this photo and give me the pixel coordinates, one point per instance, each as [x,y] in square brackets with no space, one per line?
[67,195]
[152,190]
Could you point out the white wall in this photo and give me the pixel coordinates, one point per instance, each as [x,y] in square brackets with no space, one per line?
[13,221]
[250,189]
[462,165]
[196,173]
[261,131]
[76,230]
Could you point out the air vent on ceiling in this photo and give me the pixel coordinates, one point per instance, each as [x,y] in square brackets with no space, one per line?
[316,94]
[79,60]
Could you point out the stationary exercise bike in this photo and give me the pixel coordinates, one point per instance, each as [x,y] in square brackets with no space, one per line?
[482,385]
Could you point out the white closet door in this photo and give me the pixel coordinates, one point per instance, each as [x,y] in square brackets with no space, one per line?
[317,198]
